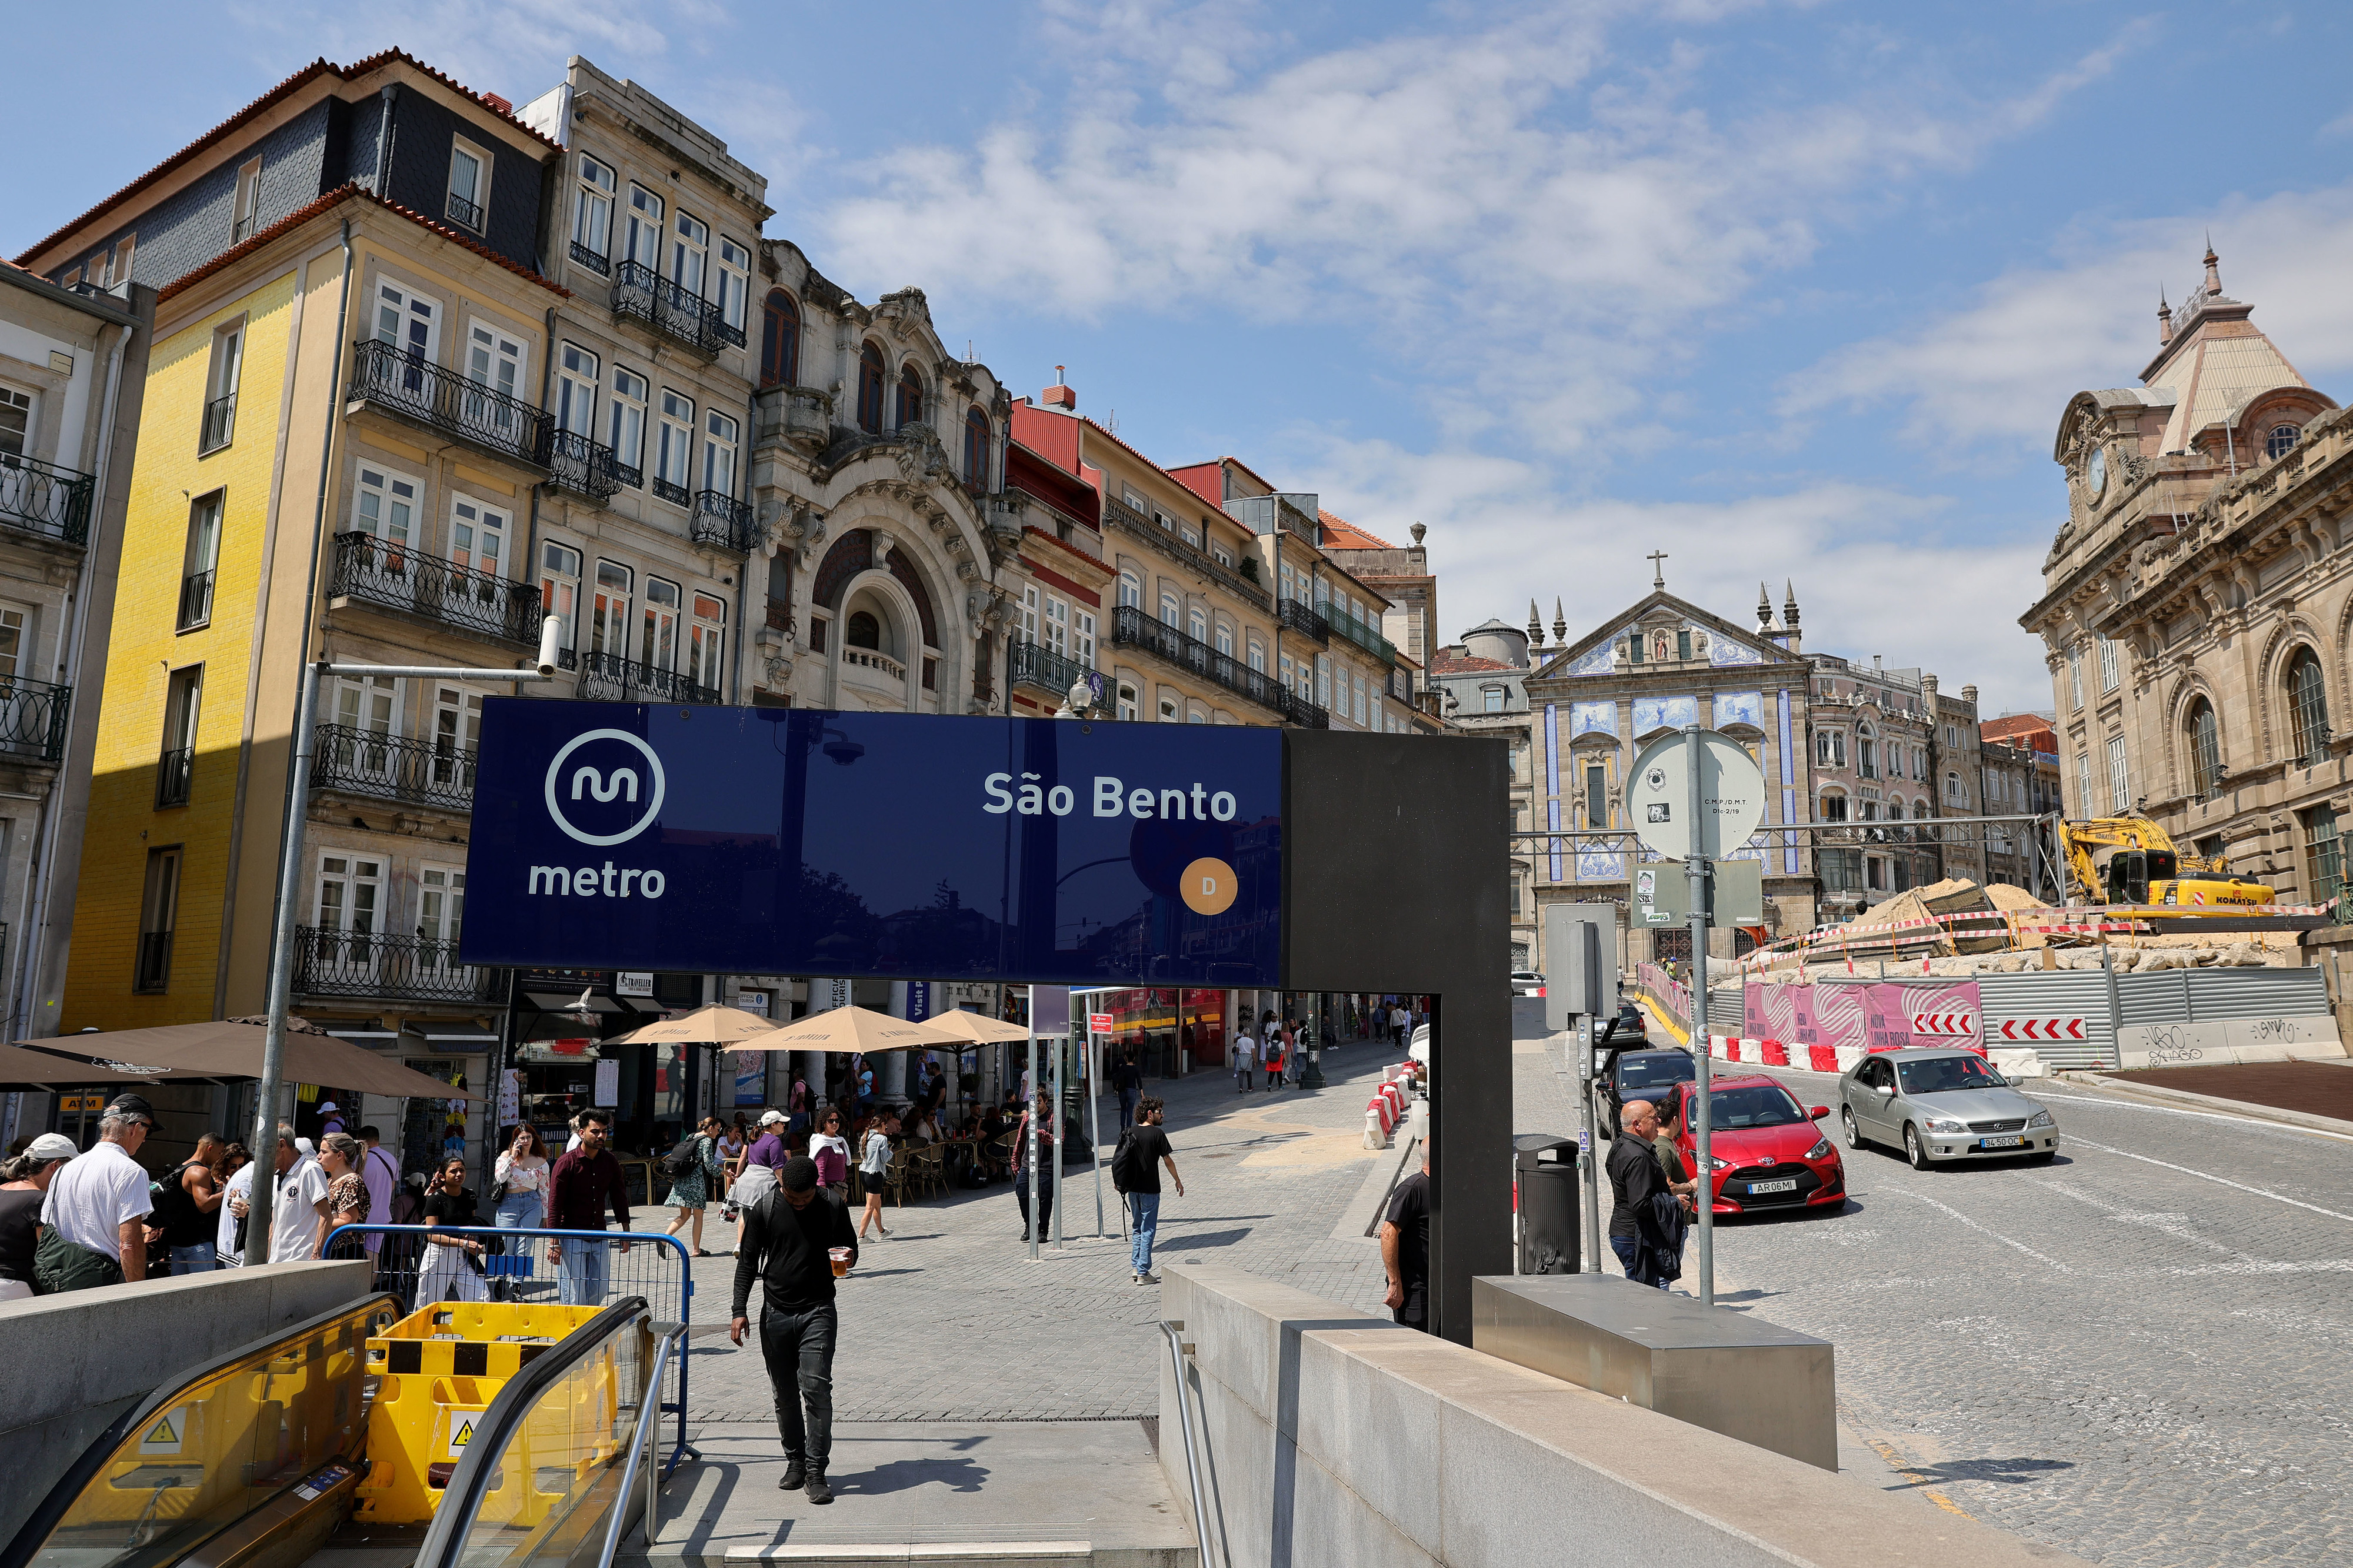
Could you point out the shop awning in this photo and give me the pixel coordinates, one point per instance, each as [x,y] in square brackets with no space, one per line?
[570,1002]
[231,1047]
[40,1070]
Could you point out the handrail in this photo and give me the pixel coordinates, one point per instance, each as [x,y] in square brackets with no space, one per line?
[641,1447]
[1174,1330]
[50,1512]
[445,1538]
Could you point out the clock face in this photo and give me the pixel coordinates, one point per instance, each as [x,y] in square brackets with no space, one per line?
[2095,472]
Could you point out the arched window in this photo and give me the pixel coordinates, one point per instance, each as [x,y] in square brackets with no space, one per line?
[1833,807]
[780,340]
[2282,437]
[1131,592]
[863,630]
[2307,695]
[911,395]
[870,376]
[976,449]
[2205,750]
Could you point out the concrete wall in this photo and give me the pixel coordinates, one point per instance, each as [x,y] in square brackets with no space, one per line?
[76,1361]
[1336,1438]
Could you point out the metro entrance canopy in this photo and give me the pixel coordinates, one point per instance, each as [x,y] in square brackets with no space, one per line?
[1049,851]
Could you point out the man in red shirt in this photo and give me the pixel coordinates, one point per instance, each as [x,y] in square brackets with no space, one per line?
[578,1187]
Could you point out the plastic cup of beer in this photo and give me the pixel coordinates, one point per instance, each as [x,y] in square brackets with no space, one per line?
[840,1256]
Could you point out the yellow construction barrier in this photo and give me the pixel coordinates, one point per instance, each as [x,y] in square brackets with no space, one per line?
[437,1369]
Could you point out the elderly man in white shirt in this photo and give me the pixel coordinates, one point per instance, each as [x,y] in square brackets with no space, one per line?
[297,1224]
[98,1204]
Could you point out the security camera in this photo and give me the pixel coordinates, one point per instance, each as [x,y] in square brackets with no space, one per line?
[551,633]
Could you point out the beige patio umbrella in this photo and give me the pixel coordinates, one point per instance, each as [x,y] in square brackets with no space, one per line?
[712,1026]
[977,1028]
[851,1028]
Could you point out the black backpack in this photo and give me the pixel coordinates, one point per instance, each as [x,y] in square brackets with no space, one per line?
[1127,1168]
[170,1208]
[685,1157]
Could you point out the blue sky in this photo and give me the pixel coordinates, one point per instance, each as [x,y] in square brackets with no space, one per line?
[1788,292]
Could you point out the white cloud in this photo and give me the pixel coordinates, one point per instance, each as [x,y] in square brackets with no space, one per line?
[1877,571]
[1999,373]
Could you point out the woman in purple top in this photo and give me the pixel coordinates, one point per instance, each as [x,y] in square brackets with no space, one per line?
[831,1150]
[768,1148]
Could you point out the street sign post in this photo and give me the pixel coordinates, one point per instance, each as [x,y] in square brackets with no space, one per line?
[1694,796]
[1573,1002]
[1662,894]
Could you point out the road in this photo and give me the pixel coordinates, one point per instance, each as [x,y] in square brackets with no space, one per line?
[2142,1352]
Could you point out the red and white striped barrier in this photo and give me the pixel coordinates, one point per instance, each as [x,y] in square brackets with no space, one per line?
[1775,1054]
[2042,1029]
[1948,1024]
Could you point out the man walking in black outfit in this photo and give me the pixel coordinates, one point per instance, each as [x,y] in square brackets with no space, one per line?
[1635,1179]
[787,1242]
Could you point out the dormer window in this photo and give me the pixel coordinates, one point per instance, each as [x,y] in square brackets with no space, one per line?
[2283,437]
[468,186]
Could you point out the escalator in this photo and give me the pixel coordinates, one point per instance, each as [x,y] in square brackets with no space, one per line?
[444,1435]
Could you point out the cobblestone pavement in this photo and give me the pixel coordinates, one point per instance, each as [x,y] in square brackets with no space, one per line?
[2142,1354]
[948,1320]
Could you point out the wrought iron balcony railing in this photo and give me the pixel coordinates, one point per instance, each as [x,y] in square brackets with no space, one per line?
[1131,627]
[44,498]
[608,677]
[464,212]
[219,426]
[151,970]
[629,474]
[724,523]
[361,963]
[395,577]
[392,767]
[1300,617]
[663,304]
[672,491]
[174,772]
[406,383]
[1362,634]
[600,265]
[1032,664]
[584,467]
[32,718]
[196,600]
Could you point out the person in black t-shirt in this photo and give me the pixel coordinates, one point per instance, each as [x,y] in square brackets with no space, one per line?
[1135,1171]
[1405,1249]
[787,1243]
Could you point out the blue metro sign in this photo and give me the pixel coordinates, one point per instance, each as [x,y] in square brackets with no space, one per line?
[792,841]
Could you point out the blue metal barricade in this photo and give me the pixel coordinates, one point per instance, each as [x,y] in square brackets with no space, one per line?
[568,1267]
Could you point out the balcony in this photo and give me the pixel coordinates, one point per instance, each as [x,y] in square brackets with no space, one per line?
[151,970]
[1033,665]
[642,294]
[1363,636]
[1131,627]
[361,964]
[723,522]
[391,767]
[394,577]
[406,384]
[219,426]
[1125,519]
[195,600]
[1298,616]
[672,491]
[174,773]
[584,256]
[608,677]
[32,718]
[466,214]
[44,498]
[875,660]
[584,467]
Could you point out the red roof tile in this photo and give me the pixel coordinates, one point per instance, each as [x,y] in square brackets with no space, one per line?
[1339,534]
[1466,664]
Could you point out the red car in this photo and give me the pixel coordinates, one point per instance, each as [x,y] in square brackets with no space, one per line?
[1768,1153]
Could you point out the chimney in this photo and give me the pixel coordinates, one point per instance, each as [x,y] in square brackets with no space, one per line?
[501,104]
[1060,396]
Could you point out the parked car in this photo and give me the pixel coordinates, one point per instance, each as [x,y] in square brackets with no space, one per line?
[1942,1104]
[1528,983]
[1636,1075]
[1768,1153]
[1623,1029]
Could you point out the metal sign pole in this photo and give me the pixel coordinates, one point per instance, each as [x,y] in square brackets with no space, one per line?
[1695,870]
[1590,1138]
[1029,1109]
[1094,1119]
[1054,1108]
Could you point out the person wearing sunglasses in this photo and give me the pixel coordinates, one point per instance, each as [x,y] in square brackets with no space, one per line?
[97,1208]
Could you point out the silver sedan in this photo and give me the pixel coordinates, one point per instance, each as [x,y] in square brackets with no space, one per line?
[1939,1105]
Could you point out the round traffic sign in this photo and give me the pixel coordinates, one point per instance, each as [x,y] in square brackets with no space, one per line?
[1732,797]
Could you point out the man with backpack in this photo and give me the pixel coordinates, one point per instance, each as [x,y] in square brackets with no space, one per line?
[186,1202]
[1136,1174]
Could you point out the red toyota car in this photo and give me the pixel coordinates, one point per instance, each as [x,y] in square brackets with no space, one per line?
[1768,1153]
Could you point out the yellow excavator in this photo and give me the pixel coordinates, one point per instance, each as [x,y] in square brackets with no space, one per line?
[2132,860]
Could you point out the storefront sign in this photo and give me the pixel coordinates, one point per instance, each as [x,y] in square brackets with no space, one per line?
[608,1085]
[874,845]
[634,982]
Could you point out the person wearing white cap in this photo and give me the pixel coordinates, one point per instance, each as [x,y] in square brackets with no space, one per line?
[331,1117]
[23,1185]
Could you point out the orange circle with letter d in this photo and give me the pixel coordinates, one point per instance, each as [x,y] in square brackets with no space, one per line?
[1210,885]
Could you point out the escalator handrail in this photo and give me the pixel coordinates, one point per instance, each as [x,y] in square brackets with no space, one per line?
[648,1410]
[445,1538]
[51,1512]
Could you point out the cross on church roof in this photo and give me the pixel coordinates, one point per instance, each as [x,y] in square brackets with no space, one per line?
[1658,573]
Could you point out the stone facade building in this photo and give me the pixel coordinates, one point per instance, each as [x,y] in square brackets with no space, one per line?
[2198,601]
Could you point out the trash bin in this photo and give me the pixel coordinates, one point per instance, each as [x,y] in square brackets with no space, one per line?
[1545,1171]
